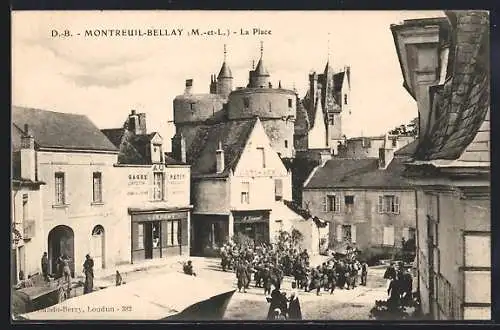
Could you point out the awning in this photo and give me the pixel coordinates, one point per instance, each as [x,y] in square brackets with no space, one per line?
[152,298]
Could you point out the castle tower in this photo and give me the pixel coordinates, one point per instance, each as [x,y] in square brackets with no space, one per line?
[225,78]
[259,77]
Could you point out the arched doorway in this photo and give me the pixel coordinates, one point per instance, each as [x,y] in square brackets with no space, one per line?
[97,247]
[61,242]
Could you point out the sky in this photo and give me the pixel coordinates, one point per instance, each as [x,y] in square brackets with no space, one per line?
[105,77]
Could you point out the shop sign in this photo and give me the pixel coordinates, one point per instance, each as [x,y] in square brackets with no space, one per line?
[158,168]
[249,219]
[158,216]
[258,172]
[137,179]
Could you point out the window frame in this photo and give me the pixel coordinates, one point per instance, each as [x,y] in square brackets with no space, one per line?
[385,207]
[334,207]
[262,154]
[60,188]
[95,200]
[245,194]
[290,103]
[158,192]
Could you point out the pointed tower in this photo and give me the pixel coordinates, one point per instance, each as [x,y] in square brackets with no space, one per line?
[259,77]
[225,78]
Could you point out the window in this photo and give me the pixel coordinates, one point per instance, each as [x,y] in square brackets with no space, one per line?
[388,238]
[346,233]
[97,187]
[262,156]
[286,144]
[140,236]
[158,186]
[345,98]
[278,189]
[60,188]
[332,204]
[394,142]
[173,232]
[156,154]
[25,207]
[246,102]
[245,193]
[331,119]
[290,104]
[191,107]
[388,204]
[349,203]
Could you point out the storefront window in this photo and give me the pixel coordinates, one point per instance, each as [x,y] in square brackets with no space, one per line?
[140,236]
[173,232]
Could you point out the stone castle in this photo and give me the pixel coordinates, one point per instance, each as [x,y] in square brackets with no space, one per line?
[295,126]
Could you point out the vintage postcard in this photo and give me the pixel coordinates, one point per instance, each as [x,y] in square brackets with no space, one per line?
[250,165]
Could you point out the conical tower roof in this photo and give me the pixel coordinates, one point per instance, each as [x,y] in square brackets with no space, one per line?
[261,70]
[225,70]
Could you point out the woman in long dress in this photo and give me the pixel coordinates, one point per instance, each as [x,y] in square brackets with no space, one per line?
[294,310]
[88,269]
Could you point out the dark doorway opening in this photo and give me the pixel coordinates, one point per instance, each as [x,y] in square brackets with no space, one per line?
[61,243]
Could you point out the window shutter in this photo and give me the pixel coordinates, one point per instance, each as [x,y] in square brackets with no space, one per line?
[325,203]
[386,238]
[184,231]
[391,235]
[175,232]
[380,205]
[164,235]
[337,203]
[396,204]
[339,233]
[353,233]
[406,233]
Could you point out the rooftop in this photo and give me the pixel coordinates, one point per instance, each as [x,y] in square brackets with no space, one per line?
[233,136]
[58,130]
[359,173]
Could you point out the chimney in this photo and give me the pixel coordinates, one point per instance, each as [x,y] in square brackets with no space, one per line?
[313,88]
[219,157]
[28,161]
[189,86]
[133,121]
[385,154]
[179,147]
[141,128]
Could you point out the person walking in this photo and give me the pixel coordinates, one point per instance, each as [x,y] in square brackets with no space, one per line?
[364,273]
[45,266]
[278,301]
[88,270]
[118,278]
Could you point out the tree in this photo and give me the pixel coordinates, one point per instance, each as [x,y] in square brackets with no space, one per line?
[410,129]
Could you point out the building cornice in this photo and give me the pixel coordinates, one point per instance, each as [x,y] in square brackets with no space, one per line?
[69,150]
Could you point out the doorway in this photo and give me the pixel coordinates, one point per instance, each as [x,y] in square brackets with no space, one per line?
[148,240]
[61,242]
[97,247]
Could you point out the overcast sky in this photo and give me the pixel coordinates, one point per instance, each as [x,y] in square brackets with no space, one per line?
[105,77]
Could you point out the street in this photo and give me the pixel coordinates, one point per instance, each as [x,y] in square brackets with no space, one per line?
[341,305]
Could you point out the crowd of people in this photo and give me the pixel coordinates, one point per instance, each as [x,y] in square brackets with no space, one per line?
[267,265]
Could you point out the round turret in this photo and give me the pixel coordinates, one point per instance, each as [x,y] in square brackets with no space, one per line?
[196,107]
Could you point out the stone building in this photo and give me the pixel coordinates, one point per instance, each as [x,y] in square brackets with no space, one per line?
[319,113]
[154,207]
[368,147]
[239,184]
[367,201]
[275,106]
[75,215]
[27,216]
[445,66]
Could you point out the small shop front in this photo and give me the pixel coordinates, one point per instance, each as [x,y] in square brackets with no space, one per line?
[254,224]
[159,234]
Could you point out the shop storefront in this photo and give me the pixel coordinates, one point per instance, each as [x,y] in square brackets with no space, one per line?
[254,224]
[159,234]
[210,232]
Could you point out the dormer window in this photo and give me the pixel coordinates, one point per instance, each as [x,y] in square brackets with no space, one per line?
[156,152]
